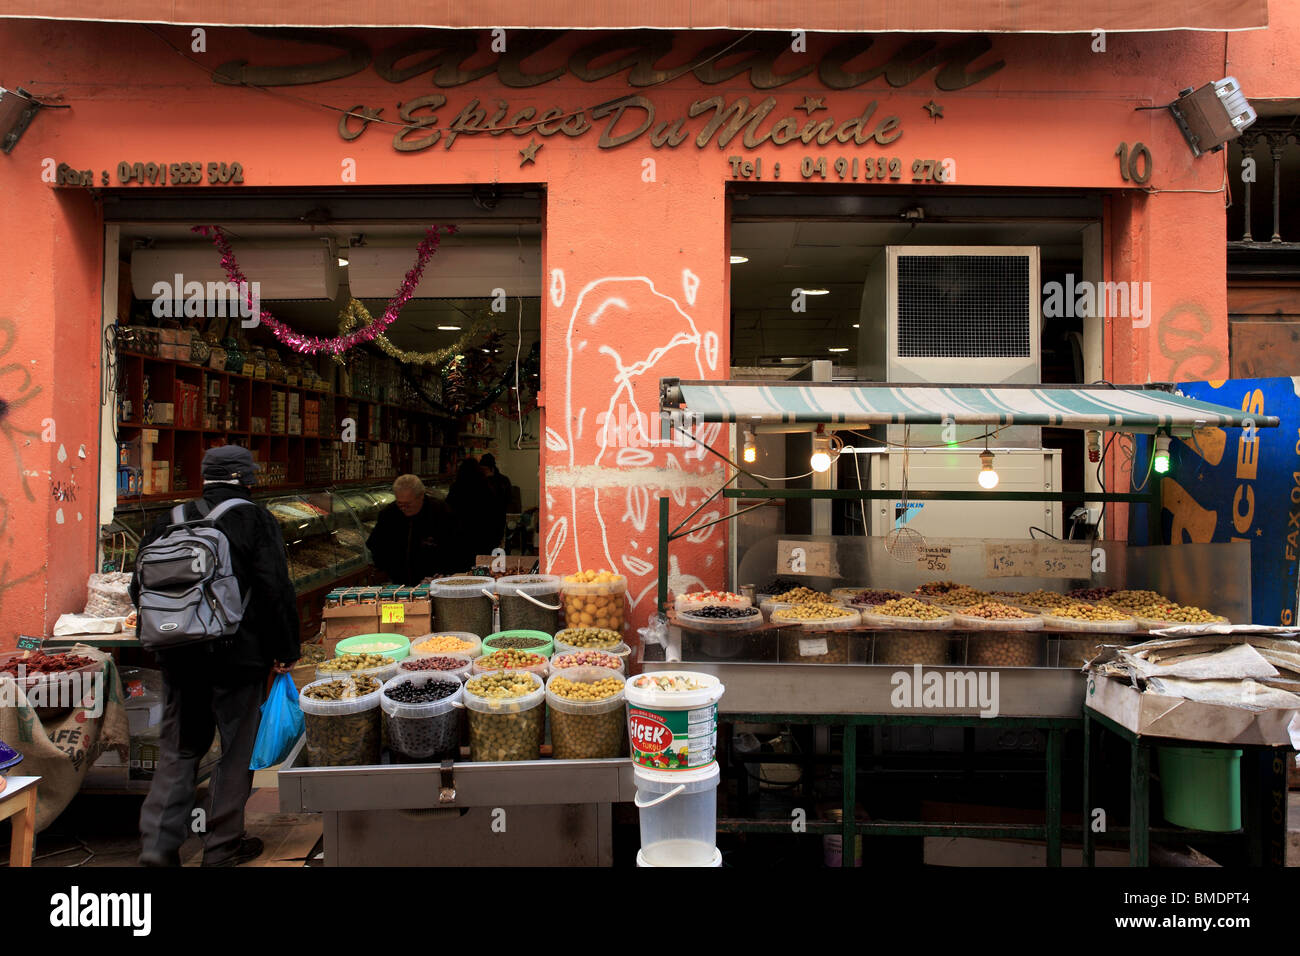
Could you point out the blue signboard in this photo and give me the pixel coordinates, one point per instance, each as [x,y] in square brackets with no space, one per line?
[1230,484]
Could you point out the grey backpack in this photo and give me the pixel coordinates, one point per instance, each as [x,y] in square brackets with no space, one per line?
[188,593]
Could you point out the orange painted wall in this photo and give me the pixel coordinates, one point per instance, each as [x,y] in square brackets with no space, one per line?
[635,264]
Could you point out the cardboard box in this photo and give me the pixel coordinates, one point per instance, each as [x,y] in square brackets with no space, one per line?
[417,619]
[1156,715]
[349,621]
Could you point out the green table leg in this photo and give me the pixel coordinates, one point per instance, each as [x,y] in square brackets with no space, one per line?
[848,846]
[1054,797]
[1139,805]
[1089,847]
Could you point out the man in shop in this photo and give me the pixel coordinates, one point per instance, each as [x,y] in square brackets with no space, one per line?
[414,537]
[501,486]
[219,685]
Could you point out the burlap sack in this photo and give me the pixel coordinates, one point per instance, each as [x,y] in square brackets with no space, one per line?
[60,751]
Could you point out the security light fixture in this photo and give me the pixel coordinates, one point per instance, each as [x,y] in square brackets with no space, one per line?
[17,109]
[1213,115]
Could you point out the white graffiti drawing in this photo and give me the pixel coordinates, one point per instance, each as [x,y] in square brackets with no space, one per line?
[639,567]
[557,287]
[638,507]
[555,539]
[690,285]
[711,350]
[555,441]
[701,535]
[634,457]
[612,302]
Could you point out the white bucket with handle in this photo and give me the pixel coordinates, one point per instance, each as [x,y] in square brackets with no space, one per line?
[679,814]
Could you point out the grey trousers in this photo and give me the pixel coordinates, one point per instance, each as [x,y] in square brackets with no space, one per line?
[192,710]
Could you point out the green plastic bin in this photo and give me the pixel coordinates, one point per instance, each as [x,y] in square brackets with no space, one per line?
[1201,788]
[546,649]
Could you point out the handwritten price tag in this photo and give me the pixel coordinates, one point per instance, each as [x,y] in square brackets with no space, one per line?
[393,613]
[1037,559]
[934,558]
[814,558]
[26,643]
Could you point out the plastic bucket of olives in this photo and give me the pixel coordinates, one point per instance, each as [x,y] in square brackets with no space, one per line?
[508,659]
[530,602]
[422,712]
[453,665]
[587,719]
[574,639]
[461,604]
[506,716]
[446,642]
[594,599]
[394,646]
[357,665]
[342,721]
[586,658]
[532,642]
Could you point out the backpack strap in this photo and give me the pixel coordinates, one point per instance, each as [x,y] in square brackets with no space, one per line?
[225,506]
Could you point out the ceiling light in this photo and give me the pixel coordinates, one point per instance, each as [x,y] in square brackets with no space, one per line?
[814,291]
[736,260]
[343,261]
[1161,461]
[449,328]
[857,325]
[837,350]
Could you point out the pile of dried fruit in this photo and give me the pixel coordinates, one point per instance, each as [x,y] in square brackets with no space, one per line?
[42,663]
[1091,594]
[1090,612]
[1176,612]
[802,595]
[874,596]
[1131,600]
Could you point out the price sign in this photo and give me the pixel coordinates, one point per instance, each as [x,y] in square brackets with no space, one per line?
[1037,559]
[934,558]
[393,613]
[26,643]
[813,558]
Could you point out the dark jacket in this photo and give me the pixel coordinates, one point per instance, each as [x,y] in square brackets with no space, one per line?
[409,550]
[269,631]
[480,516]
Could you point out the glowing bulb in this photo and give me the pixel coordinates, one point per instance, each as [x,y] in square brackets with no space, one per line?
[750,453]
[821,456]
[988,478]
[1161,461]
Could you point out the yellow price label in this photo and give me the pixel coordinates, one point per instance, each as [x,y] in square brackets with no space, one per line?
[393,613]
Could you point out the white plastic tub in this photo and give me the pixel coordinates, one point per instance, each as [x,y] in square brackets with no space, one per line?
[678,814]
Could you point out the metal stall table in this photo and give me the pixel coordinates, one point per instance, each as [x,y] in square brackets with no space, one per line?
[517,813]
[1264,795]
[856,695]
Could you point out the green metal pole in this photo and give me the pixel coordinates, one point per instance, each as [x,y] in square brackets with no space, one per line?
[1089,849]
[663,555]
[1054,771]
[1139,798]
[849,822]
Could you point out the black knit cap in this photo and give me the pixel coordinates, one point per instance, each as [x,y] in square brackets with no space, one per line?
[229,462]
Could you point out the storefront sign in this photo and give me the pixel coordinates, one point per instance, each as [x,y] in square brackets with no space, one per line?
[1240,484]
[439,59]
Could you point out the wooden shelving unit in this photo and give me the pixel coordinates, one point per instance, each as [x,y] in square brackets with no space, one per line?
[305,460]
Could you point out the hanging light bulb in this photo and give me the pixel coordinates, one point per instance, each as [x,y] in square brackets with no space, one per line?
[1094,446]
[821,455]
[750,453]
[1160,464]
[988,478]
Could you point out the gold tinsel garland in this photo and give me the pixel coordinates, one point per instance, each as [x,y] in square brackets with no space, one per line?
[355,314]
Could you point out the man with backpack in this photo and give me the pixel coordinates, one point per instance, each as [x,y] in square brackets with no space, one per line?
[217,606]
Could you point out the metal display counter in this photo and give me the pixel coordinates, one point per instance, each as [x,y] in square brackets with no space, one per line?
[850,696]
[514,813]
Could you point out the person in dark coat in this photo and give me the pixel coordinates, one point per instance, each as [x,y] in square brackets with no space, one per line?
[219,685]
[479,512]
[414,537]
[501,487]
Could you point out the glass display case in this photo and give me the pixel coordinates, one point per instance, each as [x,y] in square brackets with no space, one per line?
[321,535]
[323,538]
[363,505]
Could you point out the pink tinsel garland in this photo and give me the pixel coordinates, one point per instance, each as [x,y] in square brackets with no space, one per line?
[310,344]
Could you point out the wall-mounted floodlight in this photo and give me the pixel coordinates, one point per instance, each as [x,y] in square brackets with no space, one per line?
[1213,115]
[16,111]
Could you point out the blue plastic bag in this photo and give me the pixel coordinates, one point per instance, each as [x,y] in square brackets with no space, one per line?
[281,724]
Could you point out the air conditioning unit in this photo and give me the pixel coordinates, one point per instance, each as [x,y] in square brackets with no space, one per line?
[953,315]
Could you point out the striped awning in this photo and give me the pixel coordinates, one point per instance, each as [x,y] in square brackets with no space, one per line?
[1130,409]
